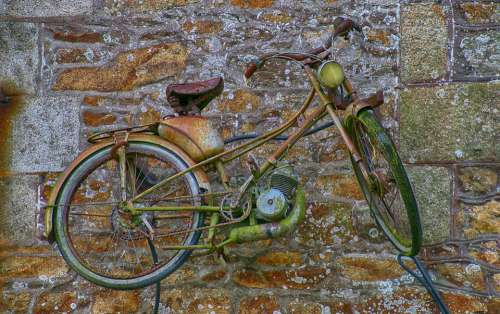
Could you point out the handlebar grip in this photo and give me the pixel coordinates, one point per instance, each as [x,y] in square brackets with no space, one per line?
[250,70]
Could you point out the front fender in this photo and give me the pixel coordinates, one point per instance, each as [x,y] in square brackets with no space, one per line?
[200,175]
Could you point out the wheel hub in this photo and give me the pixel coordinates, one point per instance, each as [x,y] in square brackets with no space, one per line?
[128,226]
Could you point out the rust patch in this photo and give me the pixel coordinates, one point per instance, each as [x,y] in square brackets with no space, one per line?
[8,110]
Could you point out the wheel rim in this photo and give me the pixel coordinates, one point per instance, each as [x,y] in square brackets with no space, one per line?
[382,193]
[107,243]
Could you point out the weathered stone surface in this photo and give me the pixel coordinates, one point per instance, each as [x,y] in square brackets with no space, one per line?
[259,304]
[479,13]
[423,42]
[128,70]
[477,54]
[112,301]
[18,207]
[305,308]
[204,301]
[285,258]
[42,268]
[468,276]
[482,219]
[45,7]
[369,268]
[43,136]
[432,188]
[340,185]
[252,3]
[304,278]
[77,55]
[97,118]
[58,302]
[19,55]
[325,225]
[477,181]
[202,26]
[142,6]
[16,303]
[449,122]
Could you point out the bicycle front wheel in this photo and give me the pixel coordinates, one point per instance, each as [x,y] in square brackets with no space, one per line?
[112,248]
[388,191]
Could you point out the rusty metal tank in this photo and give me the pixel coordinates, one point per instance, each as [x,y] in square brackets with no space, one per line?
[196,135]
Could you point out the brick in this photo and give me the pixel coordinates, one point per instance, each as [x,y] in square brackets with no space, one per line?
[15,267]
[196,300]
[394,300]
[476,181]
[423,42]
[128,70]
[487,252]
[479,13]
[52,124]
[77,55]
[19,55]
[59,302]
[465,276]
[239,101]
[252,4]
[482,219]
[305,308]
[369,268]
[113,301]
[202,26]
[304,278]
[277,17]
[326,224]
[432,188]
[477,54]
[285,258]
[214,276]
[449,122]
[16,303]
[46,8]
[142,6]
[18,207]
[259,305]
[97,118]
[343,185]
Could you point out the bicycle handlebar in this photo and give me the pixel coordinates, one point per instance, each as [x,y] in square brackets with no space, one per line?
[342,27]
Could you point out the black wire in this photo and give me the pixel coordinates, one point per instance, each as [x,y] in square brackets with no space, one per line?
[277,138]
[425,280]
[158,288]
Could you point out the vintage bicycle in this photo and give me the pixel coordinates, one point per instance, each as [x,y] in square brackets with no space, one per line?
[134,205]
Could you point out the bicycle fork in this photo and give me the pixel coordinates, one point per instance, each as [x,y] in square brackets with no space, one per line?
[336,120]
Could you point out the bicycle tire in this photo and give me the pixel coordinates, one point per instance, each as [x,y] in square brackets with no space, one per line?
[365,127]
[69,192]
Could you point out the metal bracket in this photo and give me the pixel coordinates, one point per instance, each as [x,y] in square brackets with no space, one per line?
[121,139]
[356,106]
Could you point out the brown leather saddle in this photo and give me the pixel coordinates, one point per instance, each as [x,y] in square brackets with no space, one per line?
[191,98]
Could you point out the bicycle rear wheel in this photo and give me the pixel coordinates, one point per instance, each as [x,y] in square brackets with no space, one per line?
[110,247]
[388,191]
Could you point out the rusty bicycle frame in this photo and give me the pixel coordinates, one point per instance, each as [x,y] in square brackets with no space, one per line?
[326,107]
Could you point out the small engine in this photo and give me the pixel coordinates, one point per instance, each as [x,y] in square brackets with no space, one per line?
[274,200]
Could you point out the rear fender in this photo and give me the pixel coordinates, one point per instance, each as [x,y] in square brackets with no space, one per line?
[200,175]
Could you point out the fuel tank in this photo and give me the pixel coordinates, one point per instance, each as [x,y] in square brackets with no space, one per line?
[196,135]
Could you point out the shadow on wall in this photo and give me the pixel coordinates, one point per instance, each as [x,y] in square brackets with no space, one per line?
[11,103]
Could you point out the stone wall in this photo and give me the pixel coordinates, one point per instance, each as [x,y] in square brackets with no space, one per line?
[89,65]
